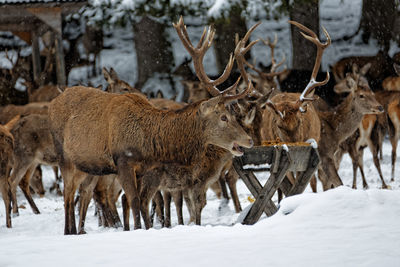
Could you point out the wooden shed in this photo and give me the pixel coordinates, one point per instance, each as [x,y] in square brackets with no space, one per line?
[30,19]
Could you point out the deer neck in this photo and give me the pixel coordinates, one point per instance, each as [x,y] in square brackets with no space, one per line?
[346,118]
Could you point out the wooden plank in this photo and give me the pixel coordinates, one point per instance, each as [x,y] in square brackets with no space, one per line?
[285,186]
[269,188]
[36,57]
[304,178]
[60,62]
[258,155]
[253,185]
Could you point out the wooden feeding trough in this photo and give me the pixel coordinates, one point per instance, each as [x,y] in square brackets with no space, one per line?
[278,159]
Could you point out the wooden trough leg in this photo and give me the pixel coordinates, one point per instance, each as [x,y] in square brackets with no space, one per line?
[281,164]
[253,185]
[303,178]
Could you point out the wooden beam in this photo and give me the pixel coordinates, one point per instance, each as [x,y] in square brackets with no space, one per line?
[60,62]
[24,36]
[49,15]
[36,57]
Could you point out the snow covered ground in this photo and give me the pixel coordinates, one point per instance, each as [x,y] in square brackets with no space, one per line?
[340,227]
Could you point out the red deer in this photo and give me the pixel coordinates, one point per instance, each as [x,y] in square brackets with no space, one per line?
[290,117]
[6,159]
[33,145]
[391,103]
[341,122]
[392,83]
[381,67]
[195,178]
[115,85]
[370,133]
[101,133]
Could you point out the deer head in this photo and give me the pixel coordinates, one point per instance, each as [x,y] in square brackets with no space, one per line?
[115,85]
[290,110]
[357,86]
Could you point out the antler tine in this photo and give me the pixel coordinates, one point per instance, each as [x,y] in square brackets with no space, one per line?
[198,53]
[320,49]
[243,94]
[241,49]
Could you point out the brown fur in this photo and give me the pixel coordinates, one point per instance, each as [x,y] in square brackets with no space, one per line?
[6,160]
[33,146]
[10,111]
[340,123]
[137,132]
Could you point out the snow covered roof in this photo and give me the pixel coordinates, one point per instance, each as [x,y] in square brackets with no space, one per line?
[11,2]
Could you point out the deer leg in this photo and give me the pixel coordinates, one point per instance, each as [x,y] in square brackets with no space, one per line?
[178,200]
[86,194]
[114,213]
[393,141]
[222,184]
[189,205]
[167,208]
[125,212]
[57,182]
[158,199]
[333,179]
[313,184]
[374,151]
[232,178]
[127,179]
[24,185]
[72,179]
[19,170]
[6,199]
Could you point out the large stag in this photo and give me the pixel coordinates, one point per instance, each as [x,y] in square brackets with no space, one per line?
[291,117]
[194,178]
[101,133]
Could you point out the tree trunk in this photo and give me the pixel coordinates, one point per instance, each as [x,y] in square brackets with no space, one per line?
[377,21]
[153,50]
[224,42]
[303,51]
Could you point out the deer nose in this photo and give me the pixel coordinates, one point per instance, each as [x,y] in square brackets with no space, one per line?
[380,108]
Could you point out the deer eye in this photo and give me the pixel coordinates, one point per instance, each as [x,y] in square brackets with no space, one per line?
[361,96]
[224,118]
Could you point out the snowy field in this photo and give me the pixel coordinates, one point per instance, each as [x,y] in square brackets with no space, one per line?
[340,227]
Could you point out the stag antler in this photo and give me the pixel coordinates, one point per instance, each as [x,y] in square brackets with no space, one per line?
[198,53]
[320,49]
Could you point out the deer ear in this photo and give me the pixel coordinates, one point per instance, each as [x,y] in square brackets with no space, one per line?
[159,94]
[365,69]
[209,105]
[113,74]
[107,76]
[248,120]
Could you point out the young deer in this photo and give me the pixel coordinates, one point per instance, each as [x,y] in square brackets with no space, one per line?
[6,159]
[101,133]
[33,145]
[340,123]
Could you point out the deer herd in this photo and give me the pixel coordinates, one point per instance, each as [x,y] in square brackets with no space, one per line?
[105,142]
